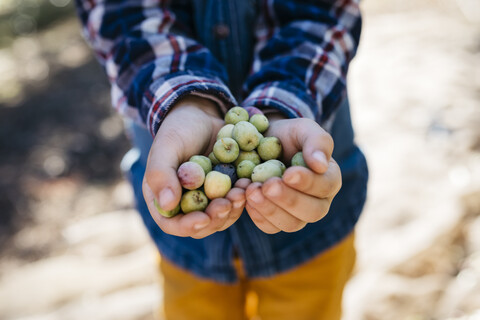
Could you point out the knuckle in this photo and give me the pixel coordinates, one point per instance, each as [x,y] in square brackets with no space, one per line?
[268,211]
[328,140]
[308,182]
[290,201]
[325,138]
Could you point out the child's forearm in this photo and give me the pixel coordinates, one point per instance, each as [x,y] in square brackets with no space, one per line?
[149,62]
[302,55]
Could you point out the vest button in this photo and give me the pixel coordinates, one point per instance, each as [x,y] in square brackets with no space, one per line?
[221,31]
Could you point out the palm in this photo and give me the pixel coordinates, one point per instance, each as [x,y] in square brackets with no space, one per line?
[189,129]
[191,132]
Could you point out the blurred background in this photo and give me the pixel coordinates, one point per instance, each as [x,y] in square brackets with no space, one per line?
[72,247]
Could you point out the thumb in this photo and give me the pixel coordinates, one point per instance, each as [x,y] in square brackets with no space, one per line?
[161,172]
[317,147]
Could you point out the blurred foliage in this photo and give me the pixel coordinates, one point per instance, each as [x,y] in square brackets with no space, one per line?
[56,121]
[26,17]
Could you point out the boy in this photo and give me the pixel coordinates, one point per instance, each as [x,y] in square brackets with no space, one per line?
[176,68]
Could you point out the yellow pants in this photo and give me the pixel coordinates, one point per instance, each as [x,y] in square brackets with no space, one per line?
[310,291]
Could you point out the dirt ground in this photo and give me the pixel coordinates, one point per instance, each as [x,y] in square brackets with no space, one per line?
[72,247]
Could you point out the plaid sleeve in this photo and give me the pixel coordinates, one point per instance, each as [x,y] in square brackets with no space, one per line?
[301,57]
[149,57]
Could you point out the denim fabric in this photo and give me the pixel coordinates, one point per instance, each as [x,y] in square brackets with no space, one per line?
[262,254]
[235,52]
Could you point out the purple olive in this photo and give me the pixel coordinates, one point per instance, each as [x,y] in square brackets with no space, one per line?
[228,169]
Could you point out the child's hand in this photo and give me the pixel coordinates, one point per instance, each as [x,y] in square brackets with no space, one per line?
[301,196]
[189,129]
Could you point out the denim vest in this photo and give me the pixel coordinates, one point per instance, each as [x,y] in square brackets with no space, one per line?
[216,27]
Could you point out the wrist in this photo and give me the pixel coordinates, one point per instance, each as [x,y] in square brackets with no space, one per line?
[205,105]
[199,111]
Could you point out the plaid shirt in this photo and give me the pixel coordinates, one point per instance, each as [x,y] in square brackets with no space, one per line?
[291,56]
[148,49]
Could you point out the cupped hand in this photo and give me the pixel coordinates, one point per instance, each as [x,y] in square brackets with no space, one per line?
[302,195]
[190,128]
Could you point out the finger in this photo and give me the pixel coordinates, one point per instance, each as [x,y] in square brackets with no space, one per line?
[317,148]
[237,198]
[271,212]
[218,211]
[161,171]
[316,145]
[306,181]
[260,221]
[182,225]
[300,205]
[243,183]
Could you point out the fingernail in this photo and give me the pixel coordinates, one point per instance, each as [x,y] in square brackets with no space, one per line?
[293,178]
[320,157]
[223,214]
[237,204]
[256,197]
[200,225]
[274,191]
[166,196]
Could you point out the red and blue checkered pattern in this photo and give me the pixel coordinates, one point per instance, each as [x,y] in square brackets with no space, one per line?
[301,56]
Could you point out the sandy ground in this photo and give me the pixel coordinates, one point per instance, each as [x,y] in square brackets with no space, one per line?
[415,90]
[73,248]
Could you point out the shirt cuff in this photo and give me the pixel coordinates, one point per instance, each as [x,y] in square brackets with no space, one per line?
[163,93]
[291,101]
